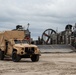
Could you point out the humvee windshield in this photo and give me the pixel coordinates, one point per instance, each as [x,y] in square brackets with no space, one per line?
[21,41]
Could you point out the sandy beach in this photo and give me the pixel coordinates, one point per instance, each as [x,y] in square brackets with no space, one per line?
[49,64]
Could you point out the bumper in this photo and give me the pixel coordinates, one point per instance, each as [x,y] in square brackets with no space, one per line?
[28,55]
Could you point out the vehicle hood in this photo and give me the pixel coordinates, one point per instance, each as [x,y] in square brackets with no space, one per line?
[24,45]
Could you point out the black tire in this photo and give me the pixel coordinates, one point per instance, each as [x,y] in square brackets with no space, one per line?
[15,57]
[35,58]
[1,55]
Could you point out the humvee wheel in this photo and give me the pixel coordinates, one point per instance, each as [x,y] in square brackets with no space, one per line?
[16,57]
[35,58]
[1,55]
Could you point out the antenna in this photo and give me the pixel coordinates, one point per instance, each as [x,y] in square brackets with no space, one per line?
[28,26]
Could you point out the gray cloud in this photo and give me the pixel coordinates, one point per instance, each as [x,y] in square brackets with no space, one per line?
[41,14]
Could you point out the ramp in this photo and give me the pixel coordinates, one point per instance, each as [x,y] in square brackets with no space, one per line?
[56,48]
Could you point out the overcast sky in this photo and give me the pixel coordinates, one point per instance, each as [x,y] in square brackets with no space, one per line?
[41,14]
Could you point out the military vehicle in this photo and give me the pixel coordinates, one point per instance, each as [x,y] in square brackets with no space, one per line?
[14,44]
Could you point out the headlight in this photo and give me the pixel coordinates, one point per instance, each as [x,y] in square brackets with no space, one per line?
[22,49]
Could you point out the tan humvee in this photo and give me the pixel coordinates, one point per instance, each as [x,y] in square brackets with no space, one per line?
[12,44]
